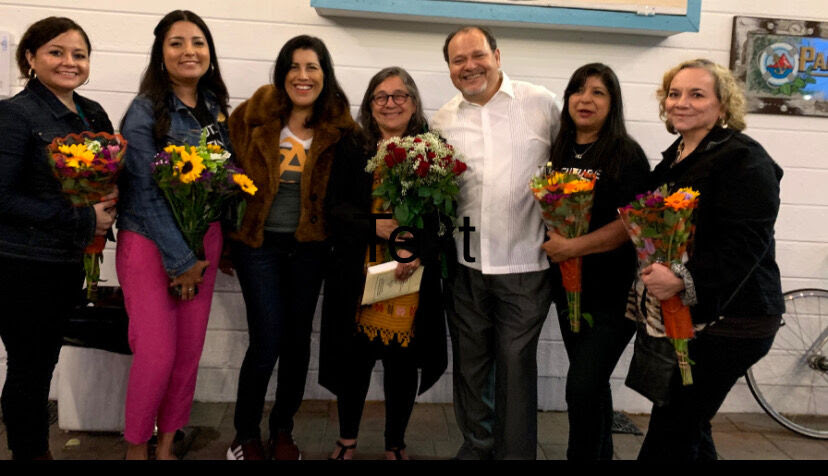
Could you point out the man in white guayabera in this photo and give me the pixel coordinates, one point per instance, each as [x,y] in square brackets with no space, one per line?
[503,129]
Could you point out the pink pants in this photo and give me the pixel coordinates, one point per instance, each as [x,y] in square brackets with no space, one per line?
[166,335]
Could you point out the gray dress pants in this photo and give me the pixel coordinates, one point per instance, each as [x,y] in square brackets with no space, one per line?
[495,324]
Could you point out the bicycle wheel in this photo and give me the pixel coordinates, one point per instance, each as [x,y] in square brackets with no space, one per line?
[791,382]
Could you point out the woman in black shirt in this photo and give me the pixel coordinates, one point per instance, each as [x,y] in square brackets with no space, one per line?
[593,137]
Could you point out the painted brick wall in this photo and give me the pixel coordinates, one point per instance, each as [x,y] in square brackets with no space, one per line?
[248,35]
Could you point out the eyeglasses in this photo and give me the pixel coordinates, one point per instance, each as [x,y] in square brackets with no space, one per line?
[382,99]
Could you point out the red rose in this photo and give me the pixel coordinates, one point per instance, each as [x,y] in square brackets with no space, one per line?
[399,154]
[417,139]
[389,161]
[422,168]
[459,167]
[390,146]
[430,154]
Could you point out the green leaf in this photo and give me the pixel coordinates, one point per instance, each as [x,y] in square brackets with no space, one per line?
[425,192]
[799,83]
[588,318]
[401,213]
[785,89]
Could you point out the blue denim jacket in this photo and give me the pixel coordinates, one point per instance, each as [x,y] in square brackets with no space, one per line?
[37,222]
[142,207]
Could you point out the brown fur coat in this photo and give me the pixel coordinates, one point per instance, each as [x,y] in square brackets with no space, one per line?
[254,131]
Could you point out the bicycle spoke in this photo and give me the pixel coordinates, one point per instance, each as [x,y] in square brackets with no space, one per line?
[784,383]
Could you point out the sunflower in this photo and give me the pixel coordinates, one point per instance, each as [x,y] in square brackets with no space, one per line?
[172,148]
[189,167]
[244,182]
[76,154]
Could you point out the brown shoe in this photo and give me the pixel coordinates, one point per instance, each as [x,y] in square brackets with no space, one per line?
[284,448]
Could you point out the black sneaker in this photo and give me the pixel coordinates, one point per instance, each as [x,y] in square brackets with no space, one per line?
[250,450]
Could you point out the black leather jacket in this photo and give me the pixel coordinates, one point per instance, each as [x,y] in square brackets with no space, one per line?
[36,221]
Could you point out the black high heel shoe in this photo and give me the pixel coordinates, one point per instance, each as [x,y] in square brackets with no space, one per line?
[340,455]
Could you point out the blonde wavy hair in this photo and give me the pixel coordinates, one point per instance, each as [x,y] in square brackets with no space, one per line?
[728,90]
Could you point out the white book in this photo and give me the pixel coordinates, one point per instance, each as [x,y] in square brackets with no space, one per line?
[380,283]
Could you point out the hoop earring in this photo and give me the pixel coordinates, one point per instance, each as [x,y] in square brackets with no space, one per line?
[212,68]
[163,68]
[85,82]
[32,73]
[723,123]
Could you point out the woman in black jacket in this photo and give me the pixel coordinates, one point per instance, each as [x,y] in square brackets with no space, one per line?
[730,279]
[352,336]
[42,237]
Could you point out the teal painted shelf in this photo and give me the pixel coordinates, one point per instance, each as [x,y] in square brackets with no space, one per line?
[445,11]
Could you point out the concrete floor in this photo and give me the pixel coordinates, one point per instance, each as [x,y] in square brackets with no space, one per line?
[432,434]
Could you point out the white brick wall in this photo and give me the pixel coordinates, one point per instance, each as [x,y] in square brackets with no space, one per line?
[248,35]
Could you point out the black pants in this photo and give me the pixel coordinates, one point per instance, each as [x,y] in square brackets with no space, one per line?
[399,385]
[280,283]
[35,301]
[593,354]
[680,431]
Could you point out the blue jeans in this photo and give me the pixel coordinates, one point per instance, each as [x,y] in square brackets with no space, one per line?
[680,431]
[280,283]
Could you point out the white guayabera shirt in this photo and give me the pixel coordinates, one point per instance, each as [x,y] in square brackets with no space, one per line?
[503,142]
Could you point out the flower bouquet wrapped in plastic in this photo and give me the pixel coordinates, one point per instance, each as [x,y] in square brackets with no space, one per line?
[661,227]
[198,183]
[565,197]
[87,166]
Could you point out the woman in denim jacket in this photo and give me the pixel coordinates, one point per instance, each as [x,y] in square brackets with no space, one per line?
[42,237]
[181,93]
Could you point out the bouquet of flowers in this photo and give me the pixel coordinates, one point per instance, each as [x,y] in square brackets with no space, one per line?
[660,226]
[565,197]
[87,167]
[419,177]
[198,183]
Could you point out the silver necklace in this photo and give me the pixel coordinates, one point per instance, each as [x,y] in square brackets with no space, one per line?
[581,155]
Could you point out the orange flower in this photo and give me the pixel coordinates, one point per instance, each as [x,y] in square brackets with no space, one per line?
[683,198]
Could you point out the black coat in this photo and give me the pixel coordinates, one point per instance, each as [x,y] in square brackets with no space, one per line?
[738,184]
[349,204]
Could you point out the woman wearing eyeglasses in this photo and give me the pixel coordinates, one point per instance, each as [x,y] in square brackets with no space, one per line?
[407,333]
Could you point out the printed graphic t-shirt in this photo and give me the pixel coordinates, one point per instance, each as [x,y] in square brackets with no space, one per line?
[293,154]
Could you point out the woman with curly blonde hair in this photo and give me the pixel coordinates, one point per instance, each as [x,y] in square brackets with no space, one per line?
[730,278]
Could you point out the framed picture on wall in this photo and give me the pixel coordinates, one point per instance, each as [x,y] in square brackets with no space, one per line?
[783,63]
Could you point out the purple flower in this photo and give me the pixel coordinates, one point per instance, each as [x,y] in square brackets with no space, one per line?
[654,200]
[649,246]
[206,176]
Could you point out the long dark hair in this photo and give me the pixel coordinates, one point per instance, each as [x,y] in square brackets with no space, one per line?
[156,84]
[613,135]
[416,125]
[38,34]
[331,102]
